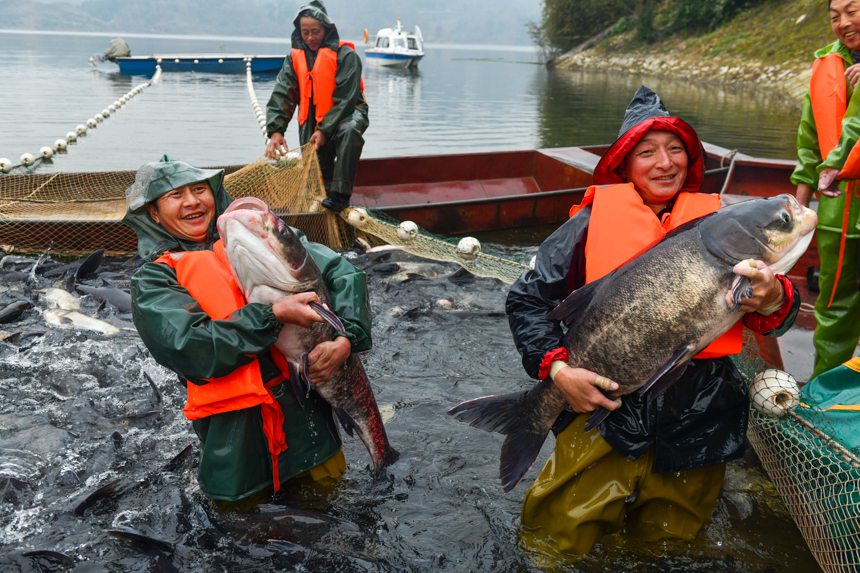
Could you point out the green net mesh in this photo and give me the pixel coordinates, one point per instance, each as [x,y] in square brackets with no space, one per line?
[816,475]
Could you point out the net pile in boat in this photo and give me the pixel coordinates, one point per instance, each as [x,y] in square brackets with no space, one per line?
[465,251]
[77,213]
[817,477]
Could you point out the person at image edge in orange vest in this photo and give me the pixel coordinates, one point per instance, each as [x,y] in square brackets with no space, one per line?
[254,435]
[655,467]
[322,77]
[828,163]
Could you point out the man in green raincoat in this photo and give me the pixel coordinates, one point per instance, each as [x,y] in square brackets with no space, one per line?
[826,137]
[322,77]
[177,295]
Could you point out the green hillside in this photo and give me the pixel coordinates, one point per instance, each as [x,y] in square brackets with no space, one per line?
[770,45]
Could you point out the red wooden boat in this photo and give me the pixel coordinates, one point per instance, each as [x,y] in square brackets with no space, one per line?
[458,194]
[473,192]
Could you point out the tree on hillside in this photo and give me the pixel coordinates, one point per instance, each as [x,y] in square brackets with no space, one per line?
[567,23]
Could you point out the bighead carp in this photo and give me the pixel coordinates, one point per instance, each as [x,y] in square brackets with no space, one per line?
[269,263]
[641,324]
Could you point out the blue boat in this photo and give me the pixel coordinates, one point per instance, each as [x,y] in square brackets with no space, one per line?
[203,63]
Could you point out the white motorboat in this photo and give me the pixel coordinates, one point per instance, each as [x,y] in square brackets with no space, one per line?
[395,48]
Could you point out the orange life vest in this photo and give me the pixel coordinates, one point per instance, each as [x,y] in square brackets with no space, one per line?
[828,94]
[615,210]
[207,277]
[318,82]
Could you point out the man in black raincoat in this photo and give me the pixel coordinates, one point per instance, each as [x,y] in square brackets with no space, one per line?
[656,466]
[322,77]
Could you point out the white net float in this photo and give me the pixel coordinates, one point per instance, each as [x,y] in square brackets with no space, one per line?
[468,247]
[774,392]
[407,230]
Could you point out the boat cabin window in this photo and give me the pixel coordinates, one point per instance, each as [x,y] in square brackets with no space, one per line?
[413,45]
[399,43]
[382,42]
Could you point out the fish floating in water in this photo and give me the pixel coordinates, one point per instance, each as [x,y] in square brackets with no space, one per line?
[641,324]
[269,263]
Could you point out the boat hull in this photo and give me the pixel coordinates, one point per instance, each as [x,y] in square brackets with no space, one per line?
[201,63]
[386,60]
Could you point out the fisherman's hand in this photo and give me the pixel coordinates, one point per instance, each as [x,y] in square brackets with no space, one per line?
[580,389]
[295,310]
[317,139]
[827,183]
[767,292]
[327,358]
[803,194]
[852,74]
[277,146]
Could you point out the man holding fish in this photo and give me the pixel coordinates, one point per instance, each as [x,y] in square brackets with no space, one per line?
[256,431]
[651,296]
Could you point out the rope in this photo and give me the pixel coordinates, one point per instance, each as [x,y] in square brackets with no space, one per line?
[261,115]
[46,153]
[733,155]
[255,105]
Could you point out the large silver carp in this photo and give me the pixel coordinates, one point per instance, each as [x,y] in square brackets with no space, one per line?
[269,263]
[641,324]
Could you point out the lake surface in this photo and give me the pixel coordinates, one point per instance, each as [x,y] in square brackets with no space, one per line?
[97,463]
[462,98]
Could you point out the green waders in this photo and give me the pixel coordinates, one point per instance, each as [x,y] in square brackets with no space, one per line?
[837,326]
[587,489]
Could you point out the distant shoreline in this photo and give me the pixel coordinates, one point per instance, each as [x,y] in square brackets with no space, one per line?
[256,39]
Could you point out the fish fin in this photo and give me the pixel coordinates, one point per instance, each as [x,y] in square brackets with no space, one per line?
[346,422]
[504,414]
[669,373]
[596,418]
[297,383]
[90,264]
[741,288]
[574,303]
[329,317]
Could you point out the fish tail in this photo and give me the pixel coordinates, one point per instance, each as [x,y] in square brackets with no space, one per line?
[506,415]
[388,456]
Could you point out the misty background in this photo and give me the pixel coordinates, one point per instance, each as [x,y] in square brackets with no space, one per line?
[441,21]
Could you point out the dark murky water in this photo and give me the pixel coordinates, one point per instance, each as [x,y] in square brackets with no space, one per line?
[96,472]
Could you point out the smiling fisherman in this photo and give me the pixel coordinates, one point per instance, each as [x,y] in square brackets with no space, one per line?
[656,466]
[322,76]
[254,435]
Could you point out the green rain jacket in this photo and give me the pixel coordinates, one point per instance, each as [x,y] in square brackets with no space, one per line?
[234,460]
[810,162]
[347,94]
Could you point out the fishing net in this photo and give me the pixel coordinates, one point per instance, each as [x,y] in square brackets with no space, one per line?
[811,455]
[77,213]
[466,251]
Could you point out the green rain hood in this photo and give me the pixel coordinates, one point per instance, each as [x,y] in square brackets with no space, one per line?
[154,180]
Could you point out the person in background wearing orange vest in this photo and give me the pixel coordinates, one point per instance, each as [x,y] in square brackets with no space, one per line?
[254,435]
[828,163]
[322,76]
[654,467]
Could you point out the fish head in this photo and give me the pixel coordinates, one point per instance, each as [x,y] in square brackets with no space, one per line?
[775,230]
[266,256]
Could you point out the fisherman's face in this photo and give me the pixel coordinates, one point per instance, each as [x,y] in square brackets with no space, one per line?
[186,212]
[845,21]
[657,167]
[312,32]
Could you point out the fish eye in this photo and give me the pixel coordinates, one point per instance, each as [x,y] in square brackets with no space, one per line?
[785,217]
